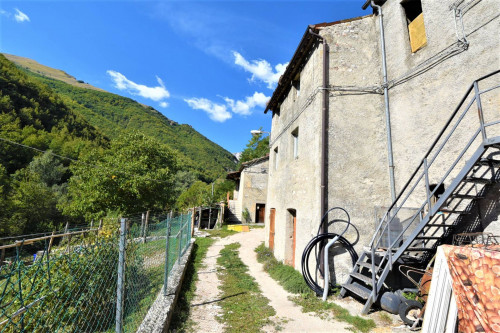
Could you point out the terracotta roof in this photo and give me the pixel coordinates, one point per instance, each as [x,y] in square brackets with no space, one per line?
[299,59]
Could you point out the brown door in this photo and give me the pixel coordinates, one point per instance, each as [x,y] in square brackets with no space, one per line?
[294,237]
[271,228]
[262,213]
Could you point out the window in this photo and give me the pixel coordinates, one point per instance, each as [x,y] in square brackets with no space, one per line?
[415,21]
[296,87]
[276,158]
[295,141]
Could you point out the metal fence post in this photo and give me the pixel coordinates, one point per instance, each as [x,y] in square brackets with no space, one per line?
[165,283]
[180,239]
[120,289]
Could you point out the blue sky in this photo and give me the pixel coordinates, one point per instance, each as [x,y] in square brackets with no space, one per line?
[209,64]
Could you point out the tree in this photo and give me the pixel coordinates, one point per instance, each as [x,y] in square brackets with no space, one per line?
[200,194]
[194,196]
[134,175]
[258,146]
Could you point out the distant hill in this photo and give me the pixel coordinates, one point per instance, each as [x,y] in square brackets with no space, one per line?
[32,114]
[49,72]
[112,114]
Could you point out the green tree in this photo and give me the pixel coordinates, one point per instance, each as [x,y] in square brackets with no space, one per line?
[195,196]
[48,168]
[134,175]
[258,146]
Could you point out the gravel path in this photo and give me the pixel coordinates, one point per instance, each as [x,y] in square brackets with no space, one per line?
[288,318]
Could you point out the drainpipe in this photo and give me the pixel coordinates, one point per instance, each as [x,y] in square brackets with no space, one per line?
[324,138]
[324,112]
[386,98]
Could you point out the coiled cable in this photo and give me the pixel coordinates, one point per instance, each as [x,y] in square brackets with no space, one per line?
[322,239]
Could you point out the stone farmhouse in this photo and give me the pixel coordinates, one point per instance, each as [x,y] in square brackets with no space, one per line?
[250,192]
[358,108]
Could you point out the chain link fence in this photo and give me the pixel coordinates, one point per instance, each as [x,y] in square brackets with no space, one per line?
[101,279]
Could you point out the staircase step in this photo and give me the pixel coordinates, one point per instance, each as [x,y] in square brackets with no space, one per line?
[466,196]
[357,290]
[361,277]
[428,237]
[452,211]
[365,265]
[489,162]
[477,180]
[439,225]
[417,249]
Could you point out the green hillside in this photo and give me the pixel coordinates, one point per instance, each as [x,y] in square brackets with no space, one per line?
[32,185]
[32,114]
[113,114]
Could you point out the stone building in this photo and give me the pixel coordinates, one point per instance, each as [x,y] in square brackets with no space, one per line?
[331,111]
[250,192]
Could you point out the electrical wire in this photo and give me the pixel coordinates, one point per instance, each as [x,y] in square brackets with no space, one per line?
[77,161]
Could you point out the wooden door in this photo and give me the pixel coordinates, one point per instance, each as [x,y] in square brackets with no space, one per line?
[262,213]
[272,216]
[294,238]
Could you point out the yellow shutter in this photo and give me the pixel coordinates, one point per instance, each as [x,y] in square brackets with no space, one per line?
[417,33]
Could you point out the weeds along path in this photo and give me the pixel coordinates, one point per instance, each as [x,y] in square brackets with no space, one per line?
[204,306]
[289,317]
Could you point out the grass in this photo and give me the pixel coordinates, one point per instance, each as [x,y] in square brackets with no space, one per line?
[290,279]
[245,309]
[222,232]
[293,282]
[385,318]
[180,322]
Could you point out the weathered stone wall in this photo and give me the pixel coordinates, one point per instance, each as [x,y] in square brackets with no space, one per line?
[294,183]
[357,159]
[423,100]
[253,187]
[424,89]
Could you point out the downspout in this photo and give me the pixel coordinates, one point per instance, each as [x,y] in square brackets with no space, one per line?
[324,112]
[386,99]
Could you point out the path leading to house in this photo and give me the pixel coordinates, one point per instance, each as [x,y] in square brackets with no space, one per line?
[288,318]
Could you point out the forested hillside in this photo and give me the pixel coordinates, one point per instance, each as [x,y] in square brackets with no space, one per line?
[56,167]
[32,184]
[112,114]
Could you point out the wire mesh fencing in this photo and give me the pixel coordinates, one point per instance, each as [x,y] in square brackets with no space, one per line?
[95,280]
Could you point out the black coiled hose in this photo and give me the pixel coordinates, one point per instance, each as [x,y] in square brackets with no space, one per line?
[322,239]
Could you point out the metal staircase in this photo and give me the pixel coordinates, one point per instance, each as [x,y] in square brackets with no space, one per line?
[456,172]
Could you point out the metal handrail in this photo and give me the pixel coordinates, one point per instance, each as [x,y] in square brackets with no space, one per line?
[426,163]
[464,98]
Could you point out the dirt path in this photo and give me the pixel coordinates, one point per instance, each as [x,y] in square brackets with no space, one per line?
[204,307]
[289,317]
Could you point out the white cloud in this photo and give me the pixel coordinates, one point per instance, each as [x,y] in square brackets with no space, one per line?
[261,69]
[157,94]
[219,112]
[246,107]
[216,112]
[20,16]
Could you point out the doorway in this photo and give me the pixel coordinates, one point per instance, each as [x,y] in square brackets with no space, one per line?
[260,213]
[291,237]
[272,216]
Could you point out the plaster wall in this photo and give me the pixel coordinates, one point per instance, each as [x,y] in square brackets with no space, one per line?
[357,154]
[294,183]
[425,87]
[253,187]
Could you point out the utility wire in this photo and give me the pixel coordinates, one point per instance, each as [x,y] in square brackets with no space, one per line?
[76,161]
